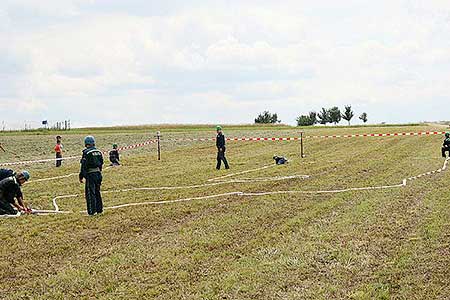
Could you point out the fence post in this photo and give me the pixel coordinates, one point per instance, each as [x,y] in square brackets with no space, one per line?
[301,145]
[158,136]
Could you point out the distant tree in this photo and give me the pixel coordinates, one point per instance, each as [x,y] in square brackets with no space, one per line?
[307,120]
[267,118]
[363,117]
[313,117]
[335,115]
[324,116]
[348,114]
[303,120]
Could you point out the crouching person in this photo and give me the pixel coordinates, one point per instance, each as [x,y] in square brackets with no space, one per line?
[91,170]
[280,160]
[10,189]
[446,145]
[114,156]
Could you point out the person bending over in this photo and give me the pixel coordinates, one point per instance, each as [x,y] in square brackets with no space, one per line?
[10,189]
[114,156]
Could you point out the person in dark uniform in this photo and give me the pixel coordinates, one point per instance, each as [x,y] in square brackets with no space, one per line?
[280,160]
[446,145]
[91,170]
[114,156]
[220,143]
[5,173]
[10,188]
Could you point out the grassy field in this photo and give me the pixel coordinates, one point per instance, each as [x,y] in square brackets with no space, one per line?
[381,244]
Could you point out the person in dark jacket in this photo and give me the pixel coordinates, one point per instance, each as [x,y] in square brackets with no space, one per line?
[446,145]
[280,160]
[220,143]
[10,189]
[5,173]
[91,170]
[114,156]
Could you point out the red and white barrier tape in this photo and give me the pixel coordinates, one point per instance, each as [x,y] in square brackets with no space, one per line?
[274,139]
[243,139]
[28,162]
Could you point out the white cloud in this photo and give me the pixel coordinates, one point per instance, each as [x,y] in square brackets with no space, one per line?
[179,62]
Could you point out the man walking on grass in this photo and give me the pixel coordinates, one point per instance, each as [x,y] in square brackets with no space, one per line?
[220,143]
[91,170]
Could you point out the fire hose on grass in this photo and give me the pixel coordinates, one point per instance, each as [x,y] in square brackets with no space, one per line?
[223,180]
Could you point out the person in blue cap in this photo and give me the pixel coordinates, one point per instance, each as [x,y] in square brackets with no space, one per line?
[91,170]
[10,189]
[446,145]
[220,143]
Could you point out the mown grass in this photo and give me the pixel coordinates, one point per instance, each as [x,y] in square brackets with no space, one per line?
[387,244]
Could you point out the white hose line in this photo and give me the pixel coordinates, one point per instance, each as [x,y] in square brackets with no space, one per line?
[248,194]
[173,201]
[219,180]
[59,177]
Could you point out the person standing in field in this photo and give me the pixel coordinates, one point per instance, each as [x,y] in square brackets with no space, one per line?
[446,145]
[58,151]
[10,188]
[91,170]
[220,143]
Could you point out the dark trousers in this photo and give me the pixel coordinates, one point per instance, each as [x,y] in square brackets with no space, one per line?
[114,162]
[6,208]
[221,157]
[58,159]
[92,192]
[444,150]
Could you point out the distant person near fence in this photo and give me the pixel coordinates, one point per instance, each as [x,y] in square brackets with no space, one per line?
[58,151]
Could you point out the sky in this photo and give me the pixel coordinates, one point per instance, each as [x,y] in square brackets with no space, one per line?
[115,62]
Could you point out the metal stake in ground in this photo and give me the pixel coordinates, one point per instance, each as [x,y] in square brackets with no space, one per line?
[301,145]
[158,136]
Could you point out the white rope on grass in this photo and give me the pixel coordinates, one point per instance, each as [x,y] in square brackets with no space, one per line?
[213,182]
[249,194]
[59,177]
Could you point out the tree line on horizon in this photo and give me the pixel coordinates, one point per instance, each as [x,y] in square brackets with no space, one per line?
[325,116]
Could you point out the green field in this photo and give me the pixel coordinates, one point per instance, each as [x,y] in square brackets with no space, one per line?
[371,244]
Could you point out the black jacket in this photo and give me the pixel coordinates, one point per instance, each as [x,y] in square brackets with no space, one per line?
[5,173]
[114,155]
[446,143]
[220,140]
[10,189]
[91,161]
